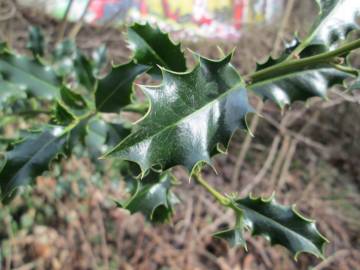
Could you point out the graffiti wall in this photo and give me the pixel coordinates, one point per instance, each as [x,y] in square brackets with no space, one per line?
[189,18]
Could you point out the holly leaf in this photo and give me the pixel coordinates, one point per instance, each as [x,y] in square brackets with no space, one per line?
[114,91]
[151,196]
[192,116]
[281,225]
[152,47]
[335,20]
[29,75]
[73,101]
[84,71]
[28,159]
[234,237]
[36,41]
[61,115]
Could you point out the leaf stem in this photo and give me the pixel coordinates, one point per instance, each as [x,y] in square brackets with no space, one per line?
[298,64]
[346,69]
[223,200]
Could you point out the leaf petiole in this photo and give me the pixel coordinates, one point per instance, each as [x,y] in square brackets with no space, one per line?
[223,200]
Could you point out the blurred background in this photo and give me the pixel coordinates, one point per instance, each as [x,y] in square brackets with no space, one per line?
[310,154]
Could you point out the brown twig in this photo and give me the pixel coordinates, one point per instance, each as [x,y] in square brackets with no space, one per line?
[64,21]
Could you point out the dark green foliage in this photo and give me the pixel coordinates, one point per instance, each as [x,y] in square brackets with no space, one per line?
[36,41]
[154,48]
[193,112]
[151,196]
[186,120]
[114,91]
[30,158]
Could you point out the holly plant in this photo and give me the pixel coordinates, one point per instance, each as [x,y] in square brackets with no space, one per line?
[186,118]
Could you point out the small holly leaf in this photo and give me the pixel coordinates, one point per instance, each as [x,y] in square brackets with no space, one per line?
[9,93]
[74,102]
[281,225]
[235,237]
[84,71]
[192,116]
[114,91]
[335,20]
[152,47]
[151,196]
[29,159]
[61,115]
[36,41]
[29,75]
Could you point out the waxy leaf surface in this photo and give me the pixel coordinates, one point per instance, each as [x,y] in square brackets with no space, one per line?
[281,225]
[336,19]
[28,159]
[191,117]
[151,196]
[114,91]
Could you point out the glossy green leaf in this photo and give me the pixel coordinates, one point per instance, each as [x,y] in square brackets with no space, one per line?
[151,196]
[28,159]
[29,75]
[62,116]
[74,102]
[191,117]
[152,47]
[336,19]
[36,41]
[84,71]
[114,91]
[281,225]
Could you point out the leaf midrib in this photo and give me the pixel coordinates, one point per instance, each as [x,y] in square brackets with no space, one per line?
[27,163]
[127,80]
[237,86]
